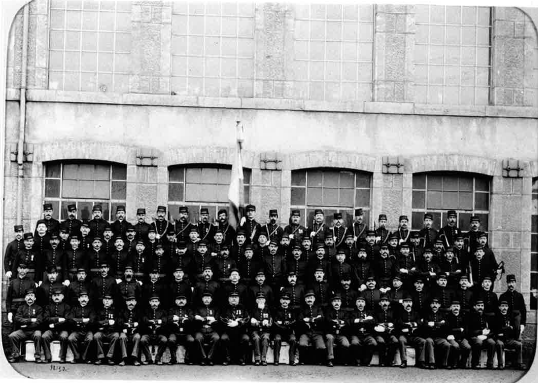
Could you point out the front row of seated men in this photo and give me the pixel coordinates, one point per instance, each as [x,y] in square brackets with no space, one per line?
[225,333]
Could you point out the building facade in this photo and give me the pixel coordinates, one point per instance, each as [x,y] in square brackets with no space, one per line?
[396,109]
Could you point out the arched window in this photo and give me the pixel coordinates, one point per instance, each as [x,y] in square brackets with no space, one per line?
[437,192]
[85,184]
[333,190]
[202,185]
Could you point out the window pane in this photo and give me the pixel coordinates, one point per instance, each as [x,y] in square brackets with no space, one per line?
[435,182]
[84,210]
[315,178]
[450,183]
[419,181]
[223,176]
[102,172]
[463,221]
[194,175]
[329,216]
[247,174]
[176,174]
[192,192]
[363,180]
[101,189]
[209,176]
[481,184]
[70,172]
[466,201]
[416,220]
[535,185]
[247,194]
[362,198]
[450,200]
[309,217]
[330,179]
[466,184]
[481,201]
[535,204]
[314,196]
[52,170]
[419,200]
[119,172]
[436,220]
[534,223]
[346,180]
[221,193]
[298,196]
[70,189]
[119,190]
[55,210]
[86,172]
[347,215]
[298,178]
[52,188]
[113,209]
[64,209]
[534,262]
[175,192]
[435,200]
[346,197]
[330,197]
[534,242]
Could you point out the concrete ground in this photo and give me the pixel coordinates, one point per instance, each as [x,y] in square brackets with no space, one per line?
[259,374]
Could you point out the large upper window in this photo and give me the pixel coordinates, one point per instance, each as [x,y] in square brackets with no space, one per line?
[452,54]
[534,242]
[438,192]
[200,186]
[85,184]
[333,190]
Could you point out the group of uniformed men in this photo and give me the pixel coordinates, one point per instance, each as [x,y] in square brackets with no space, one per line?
[220,290]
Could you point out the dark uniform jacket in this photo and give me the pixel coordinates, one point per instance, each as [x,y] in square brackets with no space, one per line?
[78,313]
[53,313]
[457,325]
[11,251]
[317,320]
[150,322]
[185,323]
[71,225]
[16,292]
[516,304]
[23,317]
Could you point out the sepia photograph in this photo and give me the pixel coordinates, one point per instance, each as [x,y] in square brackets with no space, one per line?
[269,191]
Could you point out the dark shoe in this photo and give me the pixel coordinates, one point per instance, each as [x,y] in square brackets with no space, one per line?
[330,363]
[122,363]
[521,366]
[172,361]
[476,367]
[202,363]
[62,360]
[145,363]
[489,366]
[449,367]
[74,361]
[242,363]
[403,365]
[432,366]
[210,362]
[136,362]
[225,363]
[500,366]
[98,362]
[264,363]
[12,359]
[275,363]
[110,362]
[293,364]
[256,363]
[160,363]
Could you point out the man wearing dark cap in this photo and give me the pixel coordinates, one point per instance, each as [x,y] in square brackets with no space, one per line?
[406,266]
[385,268]
[228,232]
[319,230]
[102,285]
[261,322]
[338,231]
[206,284]
[507,336]
[41,239]
[407,325]
[130,241]
[108,327]
[154,328]
[233,284]
[248,266]
[75,257]
[403,233]
[471,237]
[249,224]
[156,286]
[201,259]
[337,327]
[421,296]
[464,294]
[384,332]
[224,264]
[16,291]
[160,225]
[321,288]
[321,260]
[140,261]
[481,335]
[182,226]
[120,225]
[30,258]
[294,290]
[311,323]
[82,283]
[350,247]
[298,265]
[237,252]
[434,329]
[451,267]
[415,246]
[218,241]
[97,223]
[57,320]
[295,230]
[457,326]
[362,324]
[359,228]
[340,267]
[284,329]
[428,269]
[52,224]
[274,265]
[180,326]
[259,286]
[485,293]
[129,287]
[397,292]
[444,293]
[449,232]
[83,318]
[44,293]
[207,318]
[27,323]
[428,234]
[72,224]
[516,304]
[12,249]
[96,255]
[131,324]
[118,258]
[54,256]
[205,228]
[348,293]
[272,228]
[481,267]
[234,338]
[372,249]
[141,227]
[362,267]
[382,233]
[107,241]
[180,285]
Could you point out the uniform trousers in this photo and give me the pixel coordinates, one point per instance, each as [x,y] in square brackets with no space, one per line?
[459,352]
[260,340]
[339,340]
[188,343]
[18,336]
[112,337]
[314,338]
[134,341]
[48,336]
[206,336]
[146,340]
[277,344]
[386,345]
[363,346]
[417,342]
[74,340]
[442,349]
[235,342]
[512,344]
[477,346]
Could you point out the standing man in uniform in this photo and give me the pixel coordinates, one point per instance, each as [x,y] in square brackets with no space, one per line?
[183,225]
[516,304]
[272,228]
[141,227]
[72,224]
[428,233]
[382,234]
[359,228]
[97,223]
[53,225]
[449,232]
[295,230]
[249,224]
[12,249]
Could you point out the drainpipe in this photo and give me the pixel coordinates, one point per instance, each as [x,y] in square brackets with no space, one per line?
[22,115]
